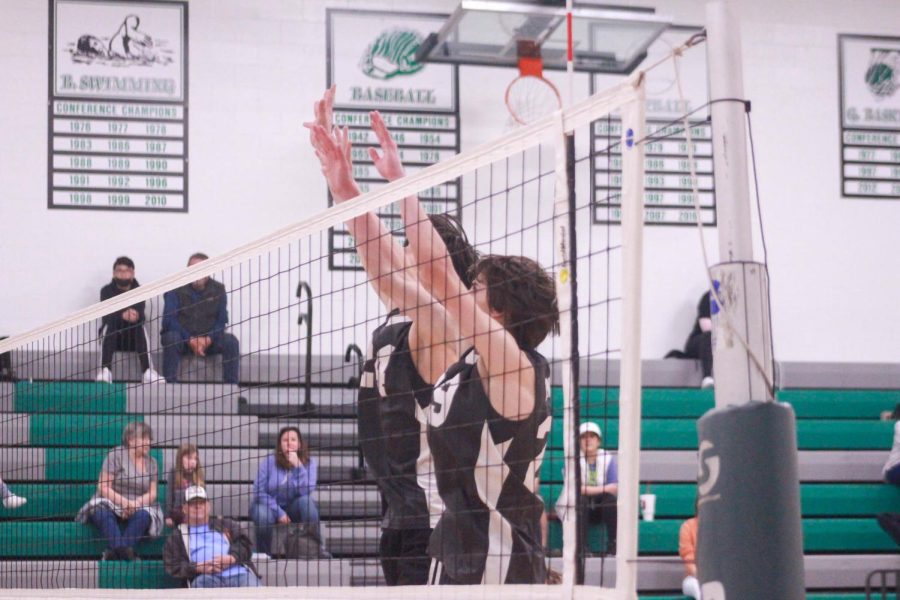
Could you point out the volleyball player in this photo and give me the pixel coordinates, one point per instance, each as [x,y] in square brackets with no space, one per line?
[488,414]
[392,437]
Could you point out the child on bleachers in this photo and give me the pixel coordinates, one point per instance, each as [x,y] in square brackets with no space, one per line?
[185,472]
[10,500]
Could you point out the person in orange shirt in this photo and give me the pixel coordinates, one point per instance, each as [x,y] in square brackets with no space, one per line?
[687,549]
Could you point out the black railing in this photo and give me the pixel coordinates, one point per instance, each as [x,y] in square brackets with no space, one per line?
[307,317]
[882,590]
[359,473]
[353,381]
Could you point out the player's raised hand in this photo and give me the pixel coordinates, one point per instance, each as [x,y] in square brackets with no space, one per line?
[388,162]
[323,109]
[333,151]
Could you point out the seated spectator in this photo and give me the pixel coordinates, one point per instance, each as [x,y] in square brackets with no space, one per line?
[206,553]
[699,342]
[282,492]
[124,330]
[126,495]
[599,488]
[10,500]
[890,522]
[185,472]
[687,549]
[194,321]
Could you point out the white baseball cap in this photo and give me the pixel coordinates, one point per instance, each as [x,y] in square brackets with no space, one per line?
[590,427]
[195,492]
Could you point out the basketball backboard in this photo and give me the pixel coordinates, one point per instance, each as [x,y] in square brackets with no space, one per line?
[485,32]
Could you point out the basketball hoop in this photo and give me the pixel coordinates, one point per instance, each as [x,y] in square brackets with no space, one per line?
[530,96]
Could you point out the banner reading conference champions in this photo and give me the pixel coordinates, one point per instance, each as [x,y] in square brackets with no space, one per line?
[118,105]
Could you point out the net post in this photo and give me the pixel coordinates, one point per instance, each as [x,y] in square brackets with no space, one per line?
[564,243]
[633,131]
[742,346]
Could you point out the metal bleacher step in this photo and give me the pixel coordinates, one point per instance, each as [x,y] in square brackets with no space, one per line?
[367,573]
[274,402]
[323,434]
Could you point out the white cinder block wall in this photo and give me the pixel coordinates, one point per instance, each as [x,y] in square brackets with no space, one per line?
[255,68]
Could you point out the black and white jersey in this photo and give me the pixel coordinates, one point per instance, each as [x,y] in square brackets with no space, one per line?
[487,468]
[391,428]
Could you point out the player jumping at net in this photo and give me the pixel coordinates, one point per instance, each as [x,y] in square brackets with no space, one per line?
[488,413]
[390,434]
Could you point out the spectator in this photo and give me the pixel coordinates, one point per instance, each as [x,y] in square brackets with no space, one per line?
[699,342]
[890,522]
[126,495]
[282,492]
[599,487]
[194,321]
[205,553]
[10,500]
[124,330]
[687,549]
[185,472]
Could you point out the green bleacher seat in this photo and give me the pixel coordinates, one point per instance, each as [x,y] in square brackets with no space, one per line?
[840,404]
[73,397]
[56,500]
[79,430]
[819,536]
[143,574]
[812,434]
[816,499]
[600,403]
[59,539]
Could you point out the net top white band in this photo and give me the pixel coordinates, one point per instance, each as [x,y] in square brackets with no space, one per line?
[578,115]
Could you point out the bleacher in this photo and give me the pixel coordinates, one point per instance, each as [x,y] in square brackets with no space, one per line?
[55,434]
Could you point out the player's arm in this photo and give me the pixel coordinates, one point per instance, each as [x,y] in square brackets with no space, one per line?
[374,243]
[435,345]
[382,258]
[510,374]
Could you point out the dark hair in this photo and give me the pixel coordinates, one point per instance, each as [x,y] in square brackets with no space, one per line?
[123,260]
[896,414]
[199,255]
[522,291]
[302,452]
[461,252]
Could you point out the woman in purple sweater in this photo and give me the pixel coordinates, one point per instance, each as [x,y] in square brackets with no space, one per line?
[282,492]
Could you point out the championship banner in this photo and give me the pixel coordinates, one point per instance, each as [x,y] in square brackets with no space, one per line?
[667,171]
[870,116]
[118,105]
[371,59]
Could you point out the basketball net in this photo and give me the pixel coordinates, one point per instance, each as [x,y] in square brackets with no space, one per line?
[530,96]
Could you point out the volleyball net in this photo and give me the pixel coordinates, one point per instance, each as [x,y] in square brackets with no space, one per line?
[246,373]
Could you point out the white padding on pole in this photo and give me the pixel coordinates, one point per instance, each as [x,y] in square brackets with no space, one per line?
[630,379]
